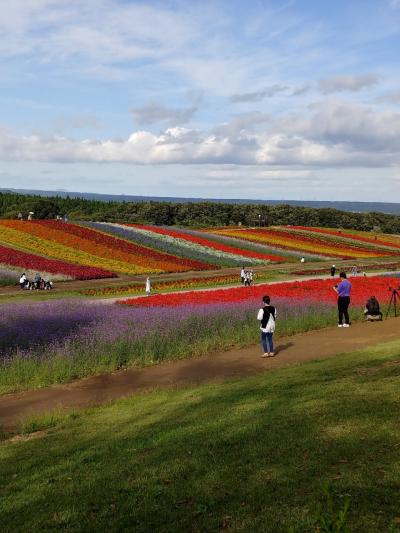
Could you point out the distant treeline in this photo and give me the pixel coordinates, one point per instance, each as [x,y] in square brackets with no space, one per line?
[200,214]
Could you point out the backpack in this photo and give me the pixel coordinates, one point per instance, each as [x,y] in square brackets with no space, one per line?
[270,325]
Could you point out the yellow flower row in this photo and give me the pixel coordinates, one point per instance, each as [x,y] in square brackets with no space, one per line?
[34,244]
[302,246]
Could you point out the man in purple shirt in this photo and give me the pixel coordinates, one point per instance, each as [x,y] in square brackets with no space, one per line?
[343,290]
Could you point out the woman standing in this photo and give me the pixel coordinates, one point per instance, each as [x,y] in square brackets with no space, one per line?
[343,290]
[148,286]
[267,316]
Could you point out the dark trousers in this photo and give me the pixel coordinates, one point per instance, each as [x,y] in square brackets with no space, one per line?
[343,306]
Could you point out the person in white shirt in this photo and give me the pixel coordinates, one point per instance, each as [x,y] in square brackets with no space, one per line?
[22,281]
[148,286]
[267,317]
[243,275]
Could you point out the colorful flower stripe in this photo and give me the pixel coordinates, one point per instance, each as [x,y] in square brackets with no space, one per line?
[378,241]
[307,291]
[26,260]
[58,251]
[189,257]
[187,248]
[179,284]
[311,245]
[214,257]
[287,256]
[207,243]
[127,262]
[167,262]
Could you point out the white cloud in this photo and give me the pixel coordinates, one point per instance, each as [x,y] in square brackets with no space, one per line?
[152,113]
[257,96]
[330,133]
[353,83]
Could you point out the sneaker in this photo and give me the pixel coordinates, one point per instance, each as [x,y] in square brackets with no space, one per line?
[340,325]
[265,354]
[346,325]
[272,354]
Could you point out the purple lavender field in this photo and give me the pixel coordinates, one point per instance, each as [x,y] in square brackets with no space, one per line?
[56,341]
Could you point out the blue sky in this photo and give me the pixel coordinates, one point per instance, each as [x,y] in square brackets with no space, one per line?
[262,99]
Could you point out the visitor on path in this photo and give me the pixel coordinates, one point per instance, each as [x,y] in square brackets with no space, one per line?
[267,317]
[302,260]
[148,286]
[372,309]
[243,275]
[251,278]
[354,271]
[333,271]
[20,217]
[343,290]
[22,281]
[37,280]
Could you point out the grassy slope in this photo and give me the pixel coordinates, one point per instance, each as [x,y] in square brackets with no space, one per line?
[251,455]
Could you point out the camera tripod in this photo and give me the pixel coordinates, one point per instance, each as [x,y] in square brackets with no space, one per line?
[393,301]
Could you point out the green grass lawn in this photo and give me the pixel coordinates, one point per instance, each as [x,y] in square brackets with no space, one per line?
[249,455]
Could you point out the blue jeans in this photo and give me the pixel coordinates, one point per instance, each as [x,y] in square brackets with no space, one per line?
[264,338]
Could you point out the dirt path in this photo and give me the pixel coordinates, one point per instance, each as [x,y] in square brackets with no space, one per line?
[214,367]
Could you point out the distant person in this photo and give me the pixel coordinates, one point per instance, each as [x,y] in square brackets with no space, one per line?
[302,260]
[65,218]
[251,278]
[343,290]
[22,281]
[148,286]
[372,309]
[243,275]
[267,317]
[354,271]
[19,216]
[333,271]
[37,280]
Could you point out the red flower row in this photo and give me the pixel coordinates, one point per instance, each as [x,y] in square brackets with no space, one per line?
[25,260]
[308,291]
[210,243]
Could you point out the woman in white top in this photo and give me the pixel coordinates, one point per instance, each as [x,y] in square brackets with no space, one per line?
[148,286]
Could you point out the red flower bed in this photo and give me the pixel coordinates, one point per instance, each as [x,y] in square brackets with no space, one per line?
[25,260]
[120,244]
[337,233]
[209,243]
[307,291]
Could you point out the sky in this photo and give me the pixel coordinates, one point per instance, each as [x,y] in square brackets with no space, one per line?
[268,99]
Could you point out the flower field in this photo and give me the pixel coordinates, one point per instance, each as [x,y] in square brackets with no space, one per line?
[377,240]
[79,246]
[218,248]
[28,261]
[179,284]
[110,249]
[306,292]
[322,244]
